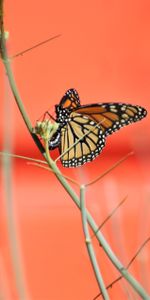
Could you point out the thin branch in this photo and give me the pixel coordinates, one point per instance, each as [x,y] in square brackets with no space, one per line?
[138,251]
[89,246]
[110,169]
[110,215]
[23,157]
[128,265]
[35,46]
[50,170]
[38,162]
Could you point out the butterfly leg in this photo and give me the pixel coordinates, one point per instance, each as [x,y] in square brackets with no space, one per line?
[49,115]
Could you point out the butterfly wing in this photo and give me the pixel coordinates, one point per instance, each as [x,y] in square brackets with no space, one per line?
[112,115]
[70,100]
[81,140]
[83,129]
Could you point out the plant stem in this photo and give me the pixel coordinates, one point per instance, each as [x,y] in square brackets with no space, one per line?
[113,258]
[6,62]
[89,246]
[12,233]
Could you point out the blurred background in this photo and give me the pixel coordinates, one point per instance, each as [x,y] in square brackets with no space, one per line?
[104,53]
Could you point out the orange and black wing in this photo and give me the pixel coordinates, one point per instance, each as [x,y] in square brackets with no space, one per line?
[83,129]
[70,100]
[112,116]
[81,141]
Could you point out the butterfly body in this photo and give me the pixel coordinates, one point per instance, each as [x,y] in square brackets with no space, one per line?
[83,129]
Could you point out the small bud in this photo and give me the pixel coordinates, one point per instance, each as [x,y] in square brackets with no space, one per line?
[6,35]
[45,129]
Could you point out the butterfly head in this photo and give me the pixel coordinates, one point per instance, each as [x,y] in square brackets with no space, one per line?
[62,114]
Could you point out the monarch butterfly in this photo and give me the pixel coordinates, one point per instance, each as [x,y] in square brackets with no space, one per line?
[87,126]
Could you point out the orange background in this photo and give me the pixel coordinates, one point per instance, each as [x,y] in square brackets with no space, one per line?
[103,52]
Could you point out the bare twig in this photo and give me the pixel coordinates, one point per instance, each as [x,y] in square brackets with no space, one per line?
[110,169]
[110,215]
[38,163]
[35,46]
[23,157]
[128,265]
[138,251]
[50,170]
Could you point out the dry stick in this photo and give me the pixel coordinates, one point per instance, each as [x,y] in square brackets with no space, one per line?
[24,157]
[138,251]
[35,46]
[87,184]
[110,215]
[89,246]
[133,282]
[50,170]
[110,169]
[128,265]
[38,162]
